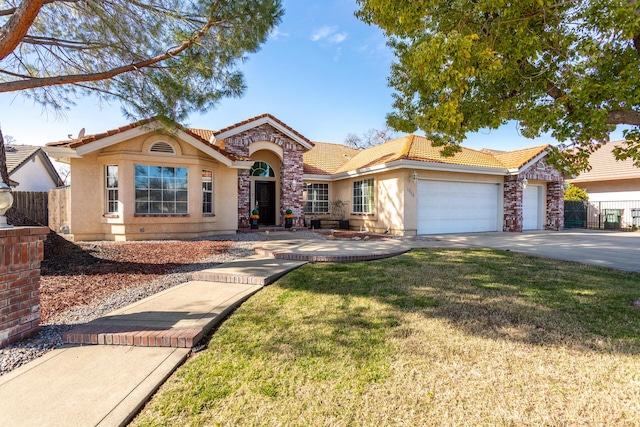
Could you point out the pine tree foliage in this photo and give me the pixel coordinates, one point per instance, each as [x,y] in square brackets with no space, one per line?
[564,67]
[158,57]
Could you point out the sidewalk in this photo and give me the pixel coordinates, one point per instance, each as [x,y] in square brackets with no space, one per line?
[114,364]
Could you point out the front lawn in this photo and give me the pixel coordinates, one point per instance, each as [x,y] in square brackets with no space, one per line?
[432,337]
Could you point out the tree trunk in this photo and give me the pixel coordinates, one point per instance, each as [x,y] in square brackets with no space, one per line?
[4,173]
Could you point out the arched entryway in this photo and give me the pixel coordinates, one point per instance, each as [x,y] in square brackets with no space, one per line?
[264,192]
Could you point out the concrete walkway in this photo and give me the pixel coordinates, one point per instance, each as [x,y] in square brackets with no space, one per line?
[113,365]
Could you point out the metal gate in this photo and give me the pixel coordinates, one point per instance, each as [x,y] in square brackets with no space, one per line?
[614,215]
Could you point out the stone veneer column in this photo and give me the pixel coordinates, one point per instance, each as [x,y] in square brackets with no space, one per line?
[292,170]
[555,206]
[21,251]
[244,187]
[512,204]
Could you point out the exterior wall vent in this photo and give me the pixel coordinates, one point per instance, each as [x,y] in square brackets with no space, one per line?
[162,148]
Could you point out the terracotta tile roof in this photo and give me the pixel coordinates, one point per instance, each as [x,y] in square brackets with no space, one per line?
[419,148]
[326,158]
[87,139]
[17,155]
[205,134]
[605,167]
[262,116]
[518,158]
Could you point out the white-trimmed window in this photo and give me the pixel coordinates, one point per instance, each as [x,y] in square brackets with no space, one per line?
[161,190]
[363,196]
[111,180]
[207,191]
[316,199]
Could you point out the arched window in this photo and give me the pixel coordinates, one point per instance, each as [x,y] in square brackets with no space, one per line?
[263,170]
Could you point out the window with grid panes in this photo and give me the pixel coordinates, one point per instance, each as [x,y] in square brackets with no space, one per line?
[112,188]
[317,199]
[161,190]
[363,196]
[207,192]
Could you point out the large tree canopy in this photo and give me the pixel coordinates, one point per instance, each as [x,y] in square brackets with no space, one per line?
[571,68]
[159,57]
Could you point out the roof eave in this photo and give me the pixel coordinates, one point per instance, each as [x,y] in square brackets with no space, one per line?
[60,153]
[198,144]
[420,165]
[518,171]
[261,121]
[317,177]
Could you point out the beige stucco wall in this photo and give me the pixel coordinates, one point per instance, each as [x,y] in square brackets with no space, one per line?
[615,190]
[88,193]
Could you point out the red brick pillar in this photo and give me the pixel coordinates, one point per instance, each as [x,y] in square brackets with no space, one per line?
[555,206]
[512,204]
[21,250]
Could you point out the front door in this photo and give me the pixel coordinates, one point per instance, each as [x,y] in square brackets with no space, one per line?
[266,201]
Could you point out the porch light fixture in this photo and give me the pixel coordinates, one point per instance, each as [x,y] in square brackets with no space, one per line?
[294,185]
[240,182]
[566,185]
[524,183]
[414,176]
[6,201]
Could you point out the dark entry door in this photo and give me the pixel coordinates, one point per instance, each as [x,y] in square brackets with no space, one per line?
[266,198]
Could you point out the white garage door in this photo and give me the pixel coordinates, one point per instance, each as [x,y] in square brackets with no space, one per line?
[457,207]
[531,208]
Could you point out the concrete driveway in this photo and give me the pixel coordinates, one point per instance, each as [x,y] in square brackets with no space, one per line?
[620,250]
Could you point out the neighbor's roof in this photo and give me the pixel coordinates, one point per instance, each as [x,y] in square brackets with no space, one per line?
[605,167]
[419,148]
[326,158]
[195,133]
[17,155]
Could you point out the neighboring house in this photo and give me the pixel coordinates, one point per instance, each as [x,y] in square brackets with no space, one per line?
[614,190]
[143,181]
[30,169]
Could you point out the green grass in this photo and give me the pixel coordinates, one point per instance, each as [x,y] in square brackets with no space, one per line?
[432,337]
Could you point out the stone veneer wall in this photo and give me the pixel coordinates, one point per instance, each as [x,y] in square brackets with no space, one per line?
[291,169]
[21,251]
[555,197]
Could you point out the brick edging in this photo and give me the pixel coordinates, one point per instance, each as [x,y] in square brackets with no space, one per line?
[328,258]
[123,335]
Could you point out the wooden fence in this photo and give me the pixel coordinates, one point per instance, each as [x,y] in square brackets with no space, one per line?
[60,209]
[32,204]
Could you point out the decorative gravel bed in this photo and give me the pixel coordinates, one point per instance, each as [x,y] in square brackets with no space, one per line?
[81,282]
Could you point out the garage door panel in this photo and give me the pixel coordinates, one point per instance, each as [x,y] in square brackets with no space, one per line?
[457,207]
[531,208]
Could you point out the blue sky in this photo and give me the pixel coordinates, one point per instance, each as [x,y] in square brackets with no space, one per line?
[322,71]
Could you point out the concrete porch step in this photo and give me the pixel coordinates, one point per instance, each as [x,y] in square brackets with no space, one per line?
[178,317]
[253,270]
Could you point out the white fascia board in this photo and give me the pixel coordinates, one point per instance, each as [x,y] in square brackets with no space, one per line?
[196,143]
[61,153]
[118,137]
[242,164]
[317,177]
[259,122]
[419,165]
[530,163]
